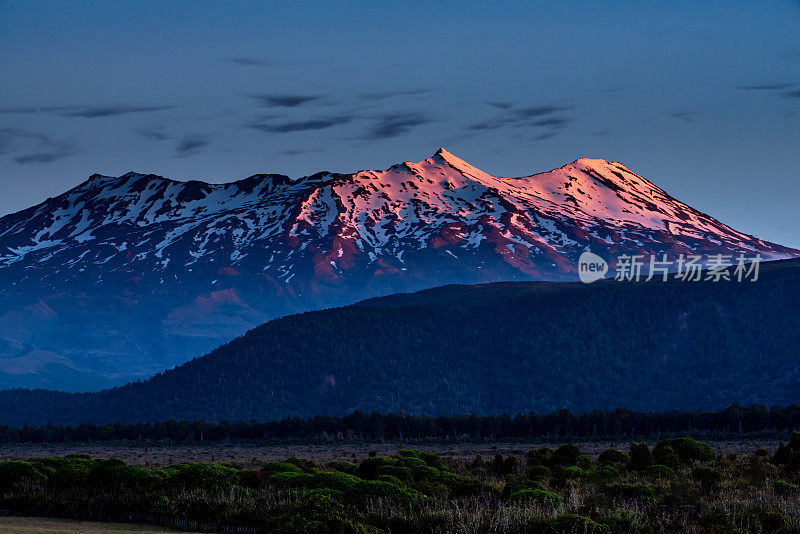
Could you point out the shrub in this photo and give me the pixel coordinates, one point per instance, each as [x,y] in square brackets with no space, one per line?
[566,455]
[461,486]
[401,473]
[539,456]
[573,471]
[573,523]
[660,471]
[116,472]
[391,480]
[708,477]
[368,468]
[279,467]
[607,472]
[640,457]
[314,513]
[666,455]
[632,491]
[539,496]
[68,471]
[614,456]
[289,479]
[784,488]
[13,472]
[332,479]
[432,460]
[366,490]
[423,474]
[344,467]
[200,475]
[539,472]
[687,449]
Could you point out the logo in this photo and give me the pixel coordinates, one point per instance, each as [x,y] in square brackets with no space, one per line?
[591,267]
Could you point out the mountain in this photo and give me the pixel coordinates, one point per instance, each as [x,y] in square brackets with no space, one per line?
[122,277]
[510,347]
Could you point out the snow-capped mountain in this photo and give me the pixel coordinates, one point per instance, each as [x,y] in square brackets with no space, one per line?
[122,277]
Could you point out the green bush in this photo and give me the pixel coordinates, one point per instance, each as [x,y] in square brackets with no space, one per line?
[632,491]
[573,471]
[316,513]
[708,477]
[280,467]
[540,456]
[688,450]
[200,475]
[432,460]
[607,472]
[462,486]
[401,473]
[13,472]
[666,455]
[368,468]
[640,457]
[578,524]
[784,488]
[613,457]
[423,474]
[539,496]
[367,490]
[69,471]
[344,467]
[116,472]
[660,471]
[539,472]
[332,479]
[288,480]
[566,455]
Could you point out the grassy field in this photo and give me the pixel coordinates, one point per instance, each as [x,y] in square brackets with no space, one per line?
[39,525]
[674,486]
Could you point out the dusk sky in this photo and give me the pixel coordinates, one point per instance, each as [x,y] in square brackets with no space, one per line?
[701,98]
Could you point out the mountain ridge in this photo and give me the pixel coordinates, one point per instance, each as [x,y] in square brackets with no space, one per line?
[120,277]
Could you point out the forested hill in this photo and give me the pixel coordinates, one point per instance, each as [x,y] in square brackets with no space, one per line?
[493,348]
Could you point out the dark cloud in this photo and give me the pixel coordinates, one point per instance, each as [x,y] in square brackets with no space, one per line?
[536,116]
[34,147]
[251,62]
[391,94]
[687,116]
[53,152]
[44,157]
[91,112]
[539,111]
[553,122]
[393,125]
[153,133]
[767,87]
[299,126]
[191,144]
[285,101]
[792,94]
[545,135]
[501,105]
[111,111]
[493,124]
[297,151]
[35,109]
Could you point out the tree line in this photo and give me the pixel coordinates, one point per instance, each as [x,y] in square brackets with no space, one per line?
[562,425]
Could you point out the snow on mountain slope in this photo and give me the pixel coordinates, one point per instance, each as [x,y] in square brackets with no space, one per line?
[143,272]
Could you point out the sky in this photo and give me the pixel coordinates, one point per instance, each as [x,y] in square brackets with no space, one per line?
[702,98]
